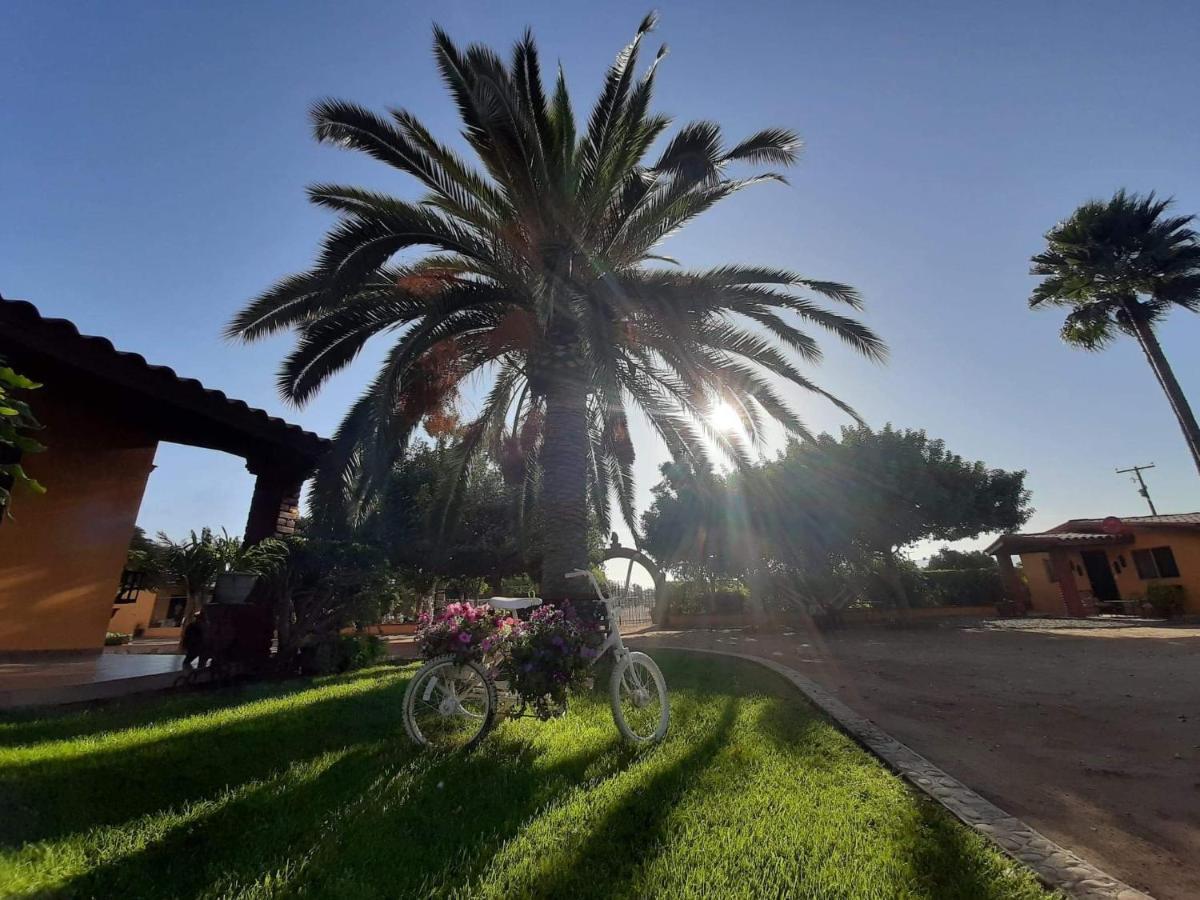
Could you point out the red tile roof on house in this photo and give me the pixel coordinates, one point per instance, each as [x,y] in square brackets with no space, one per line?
[24,331]
[1089,532]
[1186,520]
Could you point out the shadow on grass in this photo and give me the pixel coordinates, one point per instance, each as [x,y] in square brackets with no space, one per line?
[30,726]
[937,852]
[947,858]
[380,820]
[49,797]
[630,833]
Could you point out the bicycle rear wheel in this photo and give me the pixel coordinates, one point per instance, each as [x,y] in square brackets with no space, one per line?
[638,693]
[449,705]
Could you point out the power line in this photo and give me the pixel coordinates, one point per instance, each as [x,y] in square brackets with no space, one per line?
[1142,489]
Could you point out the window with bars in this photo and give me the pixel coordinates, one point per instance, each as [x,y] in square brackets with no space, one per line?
[1155,562]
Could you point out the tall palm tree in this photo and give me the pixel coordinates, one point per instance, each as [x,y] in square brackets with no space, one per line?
[196,562]
[1121,266]
[538,278]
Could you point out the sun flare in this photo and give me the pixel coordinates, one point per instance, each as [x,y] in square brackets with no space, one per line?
[725,418]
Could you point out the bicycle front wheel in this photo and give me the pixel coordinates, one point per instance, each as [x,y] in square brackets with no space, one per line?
[449,705]
[638,693]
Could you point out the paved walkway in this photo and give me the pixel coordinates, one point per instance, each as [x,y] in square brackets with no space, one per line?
[74,679]
[1091,736]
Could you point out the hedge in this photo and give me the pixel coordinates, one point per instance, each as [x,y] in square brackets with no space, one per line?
[962,587]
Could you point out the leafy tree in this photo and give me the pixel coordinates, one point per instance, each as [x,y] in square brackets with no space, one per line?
[686,529]
[145,555]
[317,586]
[483,541]
[16,420]
[539,279]
[887,489]
[825,521]
[949,559]
[196,562]
[1120,266]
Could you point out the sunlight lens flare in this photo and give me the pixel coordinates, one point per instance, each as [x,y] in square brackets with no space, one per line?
[725,418]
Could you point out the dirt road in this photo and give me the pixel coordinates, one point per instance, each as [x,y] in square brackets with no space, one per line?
[1089,732]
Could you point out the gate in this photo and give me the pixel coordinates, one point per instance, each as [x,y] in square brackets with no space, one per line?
[635,603]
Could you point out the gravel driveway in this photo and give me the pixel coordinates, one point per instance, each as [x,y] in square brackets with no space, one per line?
[1089,730]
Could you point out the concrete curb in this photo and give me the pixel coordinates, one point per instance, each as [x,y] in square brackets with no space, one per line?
[1056,866]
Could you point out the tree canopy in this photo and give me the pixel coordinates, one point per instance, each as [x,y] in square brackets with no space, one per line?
[543,272]
[949,559]
[829,507]
[1120,266]
[894,487]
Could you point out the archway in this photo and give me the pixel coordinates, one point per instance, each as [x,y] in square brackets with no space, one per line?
[659,613]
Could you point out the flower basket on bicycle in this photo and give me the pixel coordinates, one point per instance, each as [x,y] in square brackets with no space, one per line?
[547,656]
[483,662]
[465,631]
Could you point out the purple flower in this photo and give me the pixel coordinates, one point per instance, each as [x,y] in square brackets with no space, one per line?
[464,638]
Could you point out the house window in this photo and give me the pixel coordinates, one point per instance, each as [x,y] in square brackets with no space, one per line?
[1157,562]
[1051,575]
[131,583]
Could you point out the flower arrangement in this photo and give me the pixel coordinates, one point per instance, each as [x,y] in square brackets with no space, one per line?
[549,655]
[464,630]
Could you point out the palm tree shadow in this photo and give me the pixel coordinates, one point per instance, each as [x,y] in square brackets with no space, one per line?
[199,856]
[56,797]
[942,856]
[27,727]
[636,824]
[457,815]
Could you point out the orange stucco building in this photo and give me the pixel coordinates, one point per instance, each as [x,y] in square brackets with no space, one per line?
[104,413]
[1086,565]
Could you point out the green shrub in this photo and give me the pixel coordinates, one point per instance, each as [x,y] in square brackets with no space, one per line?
[963,587]
[115,638]
[868,581]
[341,653]
[699,597]
[357,651]
[1165,599]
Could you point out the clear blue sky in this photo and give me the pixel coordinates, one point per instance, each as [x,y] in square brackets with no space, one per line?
[153,158]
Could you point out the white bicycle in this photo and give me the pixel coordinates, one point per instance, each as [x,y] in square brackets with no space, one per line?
[452,705]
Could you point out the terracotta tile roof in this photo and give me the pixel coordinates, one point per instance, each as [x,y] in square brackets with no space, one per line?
[1037,542]
[1069,537]
[1169,520]
[24,328]
[1076,532]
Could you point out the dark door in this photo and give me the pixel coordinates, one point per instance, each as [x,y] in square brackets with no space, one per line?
[1104,586]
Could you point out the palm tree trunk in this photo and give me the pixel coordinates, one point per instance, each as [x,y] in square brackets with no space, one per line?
[1166,377]
[564,490]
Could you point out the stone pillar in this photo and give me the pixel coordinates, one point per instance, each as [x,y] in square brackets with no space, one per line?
[1014,589]
[275,506]
[1066,583]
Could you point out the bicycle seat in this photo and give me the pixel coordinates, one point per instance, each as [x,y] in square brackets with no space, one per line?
[512,604]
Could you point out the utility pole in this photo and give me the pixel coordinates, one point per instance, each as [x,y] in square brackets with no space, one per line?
[1142,489]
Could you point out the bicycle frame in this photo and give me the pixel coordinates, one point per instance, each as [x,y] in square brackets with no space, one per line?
[613,641]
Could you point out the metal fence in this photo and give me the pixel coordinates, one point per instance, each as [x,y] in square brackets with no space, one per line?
[634,602]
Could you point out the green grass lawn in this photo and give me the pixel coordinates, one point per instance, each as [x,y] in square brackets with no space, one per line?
[311,788]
